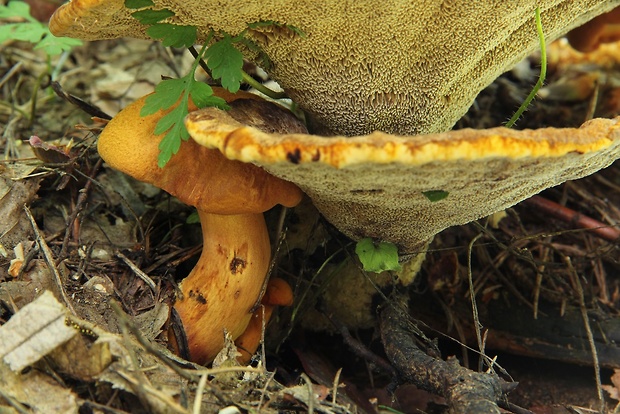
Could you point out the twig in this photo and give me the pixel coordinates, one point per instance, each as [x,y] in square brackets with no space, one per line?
[125,322]
[466,391]
[145,390]
[513,408]
[360,349]
[78,208]
[335,387]
[310,393]
[199,391]
[586,323]
[10,73]
[14,403]
[602,230]
[472,297]
[263,328]
[263,390]
[49,259]
[137,271]
[272,263]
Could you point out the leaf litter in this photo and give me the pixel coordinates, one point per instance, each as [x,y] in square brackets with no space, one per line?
[115,361]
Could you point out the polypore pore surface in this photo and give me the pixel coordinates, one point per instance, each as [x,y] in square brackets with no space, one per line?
[407,67]
[375,185]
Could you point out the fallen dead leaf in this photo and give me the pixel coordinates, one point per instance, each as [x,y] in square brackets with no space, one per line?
[614,390]
[33,332]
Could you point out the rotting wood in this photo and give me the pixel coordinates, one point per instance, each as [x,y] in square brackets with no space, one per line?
[466,391]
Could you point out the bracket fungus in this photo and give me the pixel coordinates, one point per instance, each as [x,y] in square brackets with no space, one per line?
[382,186]
[224,288]
[358,67]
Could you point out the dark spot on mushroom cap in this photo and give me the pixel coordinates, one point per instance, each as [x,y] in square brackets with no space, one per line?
[237,294]
[294,156]
[237,265]
[317,156]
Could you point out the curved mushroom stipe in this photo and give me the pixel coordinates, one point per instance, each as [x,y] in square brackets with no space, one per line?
[223,289]
[404,67]
[378,185]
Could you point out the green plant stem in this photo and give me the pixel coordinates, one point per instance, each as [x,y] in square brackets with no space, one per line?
[262,88]
[543,72]
[246,78]
[201,62]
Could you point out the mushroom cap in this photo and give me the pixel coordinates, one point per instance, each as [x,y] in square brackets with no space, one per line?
[359,67]
[196,175]
[375,185]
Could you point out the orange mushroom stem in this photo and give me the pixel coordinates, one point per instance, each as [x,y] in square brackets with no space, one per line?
[224,288]
[278,293]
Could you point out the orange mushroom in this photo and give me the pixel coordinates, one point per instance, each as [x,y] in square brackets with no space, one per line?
[224,288]
[602,29]
[278,293]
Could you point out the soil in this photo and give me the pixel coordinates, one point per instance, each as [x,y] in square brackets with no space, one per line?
[114,250]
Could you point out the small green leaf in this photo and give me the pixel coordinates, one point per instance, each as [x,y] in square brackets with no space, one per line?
[171,142]
[193,218]
[377,257]
[150,16]
[202,96]
[169,120]
[435,195]
[138,4]
[178,91]
[226,63]
[53,45]
[172,35]
[167,93]
[25,32]
[17,9]
[31,30]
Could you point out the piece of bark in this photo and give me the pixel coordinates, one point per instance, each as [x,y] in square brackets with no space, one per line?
[465,391]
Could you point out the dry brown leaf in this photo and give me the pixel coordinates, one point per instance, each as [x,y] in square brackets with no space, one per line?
[614,390]
[33,332]
[35,390]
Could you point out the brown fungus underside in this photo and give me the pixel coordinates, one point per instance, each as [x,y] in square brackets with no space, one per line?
[397,66]
[375,185]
